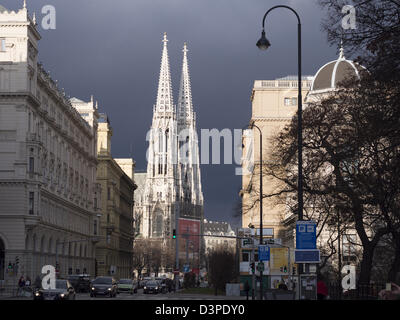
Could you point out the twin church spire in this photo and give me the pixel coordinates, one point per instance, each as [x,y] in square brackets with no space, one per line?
[165,100]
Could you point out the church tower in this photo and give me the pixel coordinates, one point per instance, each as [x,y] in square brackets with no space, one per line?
[172,198]
[162,187]
[188,142]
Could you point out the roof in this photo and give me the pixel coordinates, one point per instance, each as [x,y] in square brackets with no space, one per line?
[295,77]
[334,72]
[3,9]
[76,100]
[140,180]
[216,227]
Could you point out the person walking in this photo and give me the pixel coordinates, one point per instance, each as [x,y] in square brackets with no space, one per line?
[247,289]
[21,285]
[322,289]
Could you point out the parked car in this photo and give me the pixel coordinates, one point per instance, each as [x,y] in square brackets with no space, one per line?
[80,282]
[163,284]
[104,286]
[152,286]
[127,285]
[142,282]
[63,291]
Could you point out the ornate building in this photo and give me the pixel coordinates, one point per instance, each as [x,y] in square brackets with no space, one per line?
[172,190]
[47,163]
[114,252]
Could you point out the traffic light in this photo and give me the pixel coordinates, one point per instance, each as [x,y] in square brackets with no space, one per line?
[174,234]
[16,260]
[10,267]
[285,269]
[294,270]
[252,265]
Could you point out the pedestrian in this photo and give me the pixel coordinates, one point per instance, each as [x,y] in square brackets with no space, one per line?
[21,285]
[322,289]
[28,282]
[247,289]
[282,286]
[38,282]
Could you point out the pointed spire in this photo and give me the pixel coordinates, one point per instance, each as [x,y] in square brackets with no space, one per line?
[341,55]
[164,94]
[91,98]
[24,6]
[185,106]
[34,18]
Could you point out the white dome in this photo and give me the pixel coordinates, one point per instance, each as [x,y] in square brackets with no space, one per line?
[335,72]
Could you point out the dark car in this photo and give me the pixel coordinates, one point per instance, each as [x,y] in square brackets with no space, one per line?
[163,284]
[80,282]
[104,286]
[152,286]
[142,282]
[62,291]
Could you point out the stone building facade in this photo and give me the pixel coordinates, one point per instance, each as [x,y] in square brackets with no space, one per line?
[114,252]
[47,163]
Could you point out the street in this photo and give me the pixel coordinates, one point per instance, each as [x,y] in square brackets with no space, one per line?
[141,296]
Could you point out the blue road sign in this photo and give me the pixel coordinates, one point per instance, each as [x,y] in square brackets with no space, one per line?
[306,235]
[263,253]
[306,256]
[186,268]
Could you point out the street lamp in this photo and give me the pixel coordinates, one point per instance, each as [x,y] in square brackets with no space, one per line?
[251,126]
[264,44]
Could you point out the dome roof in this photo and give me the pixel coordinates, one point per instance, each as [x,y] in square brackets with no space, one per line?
[334,72]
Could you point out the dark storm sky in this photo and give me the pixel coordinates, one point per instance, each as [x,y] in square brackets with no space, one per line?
[112,49]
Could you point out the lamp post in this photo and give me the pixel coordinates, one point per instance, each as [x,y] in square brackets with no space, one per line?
[251,126]
[264,44]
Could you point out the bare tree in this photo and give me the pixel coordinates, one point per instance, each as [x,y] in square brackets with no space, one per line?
[221,263]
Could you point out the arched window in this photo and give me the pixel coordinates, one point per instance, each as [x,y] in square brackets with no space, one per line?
[42,242]
[34,244]
[157,224]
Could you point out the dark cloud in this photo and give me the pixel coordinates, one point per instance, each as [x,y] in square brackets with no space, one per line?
[112,49]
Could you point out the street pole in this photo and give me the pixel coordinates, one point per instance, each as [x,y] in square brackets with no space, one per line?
[177,248]
[340,258]
[264,44]
[261,206]
[254,273]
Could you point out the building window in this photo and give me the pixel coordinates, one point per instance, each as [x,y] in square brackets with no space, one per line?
[108,193]
[290,101]
[158,225]
[245,256]
[95,227]
[3,45]
[349,246]
[31,202]
[31,164]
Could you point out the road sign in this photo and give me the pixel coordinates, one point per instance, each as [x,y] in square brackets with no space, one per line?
[263,253]
[307,256]
[186,268]
[267,232]
[306,235]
